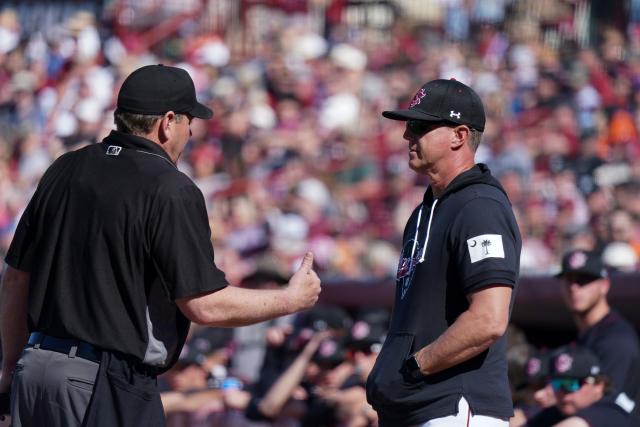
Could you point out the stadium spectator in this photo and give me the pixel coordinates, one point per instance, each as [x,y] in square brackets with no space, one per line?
[604,332]
[578,386]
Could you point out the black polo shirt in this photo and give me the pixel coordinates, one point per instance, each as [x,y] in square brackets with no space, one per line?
[112,236]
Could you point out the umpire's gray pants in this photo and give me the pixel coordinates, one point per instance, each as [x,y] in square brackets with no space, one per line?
[51,389]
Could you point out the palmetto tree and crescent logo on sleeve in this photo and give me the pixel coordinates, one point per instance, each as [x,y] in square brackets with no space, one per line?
[485,246]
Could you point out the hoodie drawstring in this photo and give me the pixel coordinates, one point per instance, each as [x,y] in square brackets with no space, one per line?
[426,239]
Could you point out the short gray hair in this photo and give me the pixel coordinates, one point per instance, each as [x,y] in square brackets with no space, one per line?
[133,123]
[137,124]
[474,139]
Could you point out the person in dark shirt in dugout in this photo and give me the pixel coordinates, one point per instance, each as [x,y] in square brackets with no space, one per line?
[609,336]
[110,263]
[575,382]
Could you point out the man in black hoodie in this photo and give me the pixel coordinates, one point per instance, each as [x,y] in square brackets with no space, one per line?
[444,358]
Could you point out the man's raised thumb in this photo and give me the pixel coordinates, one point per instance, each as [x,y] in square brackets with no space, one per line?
[307,262]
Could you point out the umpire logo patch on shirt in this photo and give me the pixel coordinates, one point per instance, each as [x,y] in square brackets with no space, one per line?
[485,246]
[113,150]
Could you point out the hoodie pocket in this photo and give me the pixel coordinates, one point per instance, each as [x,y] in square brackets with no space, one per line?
[388,382]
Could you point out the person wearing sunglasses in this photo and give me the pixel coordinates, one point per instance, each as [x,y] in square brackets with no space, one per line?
[585,286]
[444,359]
[579,387]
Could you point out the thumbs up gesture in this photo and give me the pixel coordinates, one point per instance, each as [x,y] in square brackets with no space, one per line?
[304,285]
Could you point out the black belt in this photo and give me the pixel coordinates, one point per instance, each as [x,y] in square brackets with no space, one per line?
[74,348]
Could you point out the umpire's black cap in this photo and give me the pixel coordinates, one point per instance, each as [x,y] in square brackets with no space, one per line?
[444,101]
[156,89]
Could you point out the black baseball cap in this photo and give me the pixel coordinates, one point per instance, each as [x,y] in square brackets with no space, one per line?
[369,329]
[325,316]
[331,352]
[444,101]
[536,369]
[203,343]
[156,89]
[574,362]
[586,263]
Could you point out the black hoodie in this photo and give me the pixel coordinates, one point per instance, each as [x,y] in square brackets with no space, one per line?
[454,245]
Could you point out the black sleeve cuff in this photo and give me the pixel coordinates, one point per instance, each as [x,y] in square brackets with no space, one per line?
[486,278]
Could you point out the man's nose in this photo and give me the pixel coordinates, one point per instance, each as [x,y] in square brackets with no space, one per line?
[574,286]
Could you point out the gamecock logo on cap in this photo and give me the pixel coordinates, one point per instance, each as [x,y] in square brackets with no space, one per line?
[563,363]
[416,99]
[578,260]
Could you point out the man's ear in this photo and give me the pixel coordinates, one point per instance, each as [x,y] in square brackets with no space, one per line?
[165,128]
[461,134]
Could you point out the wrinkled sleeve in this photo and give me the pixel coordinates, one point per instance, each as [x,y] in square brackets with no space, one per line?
[20,253]
[485,241]
[180,244]
[23,245]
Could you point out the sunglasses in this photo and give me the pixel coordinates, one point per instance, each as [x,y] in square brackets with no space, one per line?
[570,385]
[579,279]
[565,384]
[418,127]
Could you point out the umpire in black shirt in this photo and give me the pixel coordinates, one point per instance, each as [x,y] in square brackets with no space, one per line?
[111,261]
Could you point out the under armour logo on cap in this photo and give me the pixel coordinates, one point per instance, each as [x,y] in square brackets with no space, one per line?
[454,114]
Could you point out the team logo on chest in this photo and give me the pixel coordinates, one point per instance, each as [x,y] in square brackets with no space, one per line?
[407,266]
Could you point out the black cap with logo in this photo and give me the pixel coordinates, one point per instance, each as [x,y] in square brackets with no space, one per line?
[586,263]
[156,89]
[574,362]
[444,101]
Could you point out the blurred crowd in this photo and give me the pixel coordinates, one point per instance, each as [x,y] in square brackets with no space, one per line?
[306,370]
[297,156]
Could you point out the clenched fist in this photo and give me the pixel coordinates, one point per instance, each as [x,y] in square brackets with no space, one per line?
[304,285]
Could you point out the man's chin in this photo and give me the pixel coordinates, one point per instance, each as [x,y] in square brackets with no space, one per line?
[567,408]
[416,166]
[578,312]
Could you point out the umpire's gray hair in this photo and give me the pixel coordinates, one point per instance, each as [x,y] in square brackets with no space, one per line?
[137,124]
[133,123]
